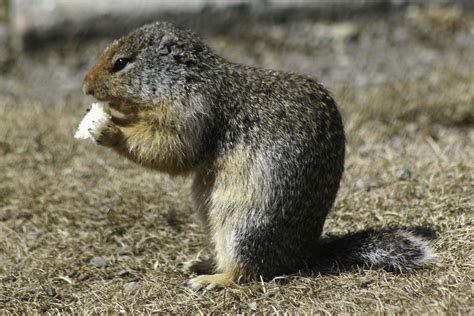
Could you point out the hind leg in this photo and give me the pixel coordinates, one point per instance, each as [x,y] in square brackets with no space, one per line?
[226,270]
[227,273]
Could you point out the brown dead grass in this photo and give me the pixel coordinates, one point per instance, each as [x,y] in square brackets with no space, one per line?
[63,202]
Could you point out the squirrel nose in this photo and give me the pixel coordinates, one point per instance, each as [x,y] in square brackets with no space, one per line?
[87,89]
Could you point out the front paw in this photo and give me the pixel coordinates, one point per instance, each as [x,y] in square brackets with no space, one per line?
[105,133]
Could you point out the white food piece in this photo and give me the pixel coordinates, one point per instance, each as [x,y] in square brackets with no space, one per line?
[99,114]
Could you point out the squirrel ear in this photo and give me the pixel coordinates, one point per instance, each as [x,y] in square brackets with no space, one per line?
[166,42]
[169,44]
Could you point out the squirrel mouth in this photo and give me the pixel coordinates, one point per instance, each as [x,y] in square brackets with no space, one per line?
[112,104]
[123,107]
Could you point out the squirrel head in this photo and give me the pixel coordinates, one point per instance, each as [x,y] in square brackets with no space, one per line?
[150,65]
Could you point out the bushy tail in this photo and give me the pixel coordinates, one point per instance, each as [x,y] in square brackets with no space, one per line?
[396,249]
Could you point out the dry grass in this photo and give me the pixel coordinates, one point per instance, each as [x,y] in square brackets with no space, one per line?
[63,202]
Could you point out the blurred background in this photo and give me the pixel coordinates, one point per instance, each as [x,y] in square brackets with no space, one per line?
[51,43]
[82,229]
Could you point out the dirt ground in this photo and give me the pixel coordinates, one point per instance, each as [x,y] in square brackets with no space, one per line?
[83,230]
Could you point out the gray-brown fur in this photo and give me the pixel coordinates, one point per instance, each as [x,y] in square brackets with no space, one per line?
[266,149]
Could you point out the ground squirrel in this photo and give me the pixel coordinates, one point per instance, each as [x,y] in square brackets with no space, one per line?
[266,149]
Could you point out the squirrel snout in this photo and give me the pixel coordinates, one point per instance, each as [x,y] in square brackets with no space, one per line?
[86,87]
[89,84]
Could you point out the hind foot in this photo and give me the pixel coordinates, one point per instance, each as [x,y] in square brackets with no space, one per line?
[198,266]
[210,282]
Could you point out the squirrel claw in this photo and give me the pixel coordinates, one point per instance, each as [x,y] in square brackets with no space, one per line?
[104,133]
[208,282]
[198,286]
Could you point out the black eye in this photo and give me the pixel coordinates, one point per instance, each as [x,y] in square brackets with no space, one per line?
[121,63]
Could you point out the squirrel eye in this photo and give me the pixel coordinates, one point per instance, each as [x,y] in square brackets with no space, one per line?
[121,63]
